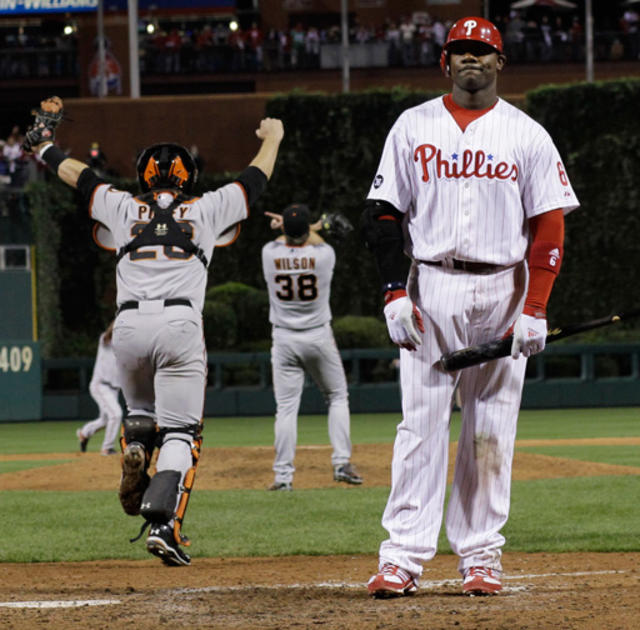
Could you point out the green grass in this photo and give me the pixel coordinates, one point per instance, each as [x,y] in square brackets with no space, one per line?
[557,515]
[60,437]
[16,466]
[578,514]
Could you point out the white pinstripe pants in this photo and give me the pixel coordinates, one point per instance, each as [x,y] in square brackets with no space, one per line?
[459,309]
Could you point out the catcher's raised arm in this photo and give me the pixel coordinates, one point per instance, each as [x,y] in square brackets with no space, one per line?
[40,137]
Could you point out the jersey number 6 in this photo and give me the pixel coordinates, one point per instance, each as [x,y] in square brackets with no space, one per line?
[307,287]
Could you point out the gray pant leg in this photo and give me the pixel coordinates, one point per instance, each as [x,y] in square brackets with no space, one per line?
[180,375]
[288,381]
[323,362]
[162,362]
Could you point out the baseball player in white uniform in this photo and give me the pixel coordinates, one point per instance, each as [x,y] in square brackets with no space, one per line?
[474,192]
[298,268]
[104,388]
[164,240]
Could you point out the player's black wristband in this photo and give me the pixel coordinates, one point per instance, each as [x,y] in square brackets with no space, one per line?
[393,286]
[254,182]
[53,157]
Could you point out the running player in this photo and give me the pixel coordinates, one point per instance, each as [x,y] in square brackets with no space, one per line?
[105,389]
[164,240]
[474,192]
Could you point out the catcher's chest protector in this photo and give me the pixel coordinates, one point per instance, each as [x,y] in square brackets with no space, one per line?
[163,229]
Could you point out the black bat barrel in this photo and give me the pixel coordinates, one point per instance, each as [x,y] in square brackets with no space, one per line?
[476,354]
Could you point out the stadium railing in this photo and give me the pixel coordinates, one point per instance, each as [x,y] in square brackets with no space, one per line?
[239,384]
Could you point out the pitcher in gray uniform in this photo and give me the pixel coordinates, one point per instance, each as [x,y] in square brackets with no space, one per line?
[164,241]
[298,268]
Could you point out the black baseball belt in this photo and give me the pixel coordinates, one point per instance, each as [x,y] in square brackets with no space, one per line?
[463,265]
[131,304]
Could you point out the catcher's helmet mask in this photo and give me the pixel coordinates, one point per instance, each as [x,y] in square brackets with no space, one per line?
[468,29]
[166,165]
[295,221]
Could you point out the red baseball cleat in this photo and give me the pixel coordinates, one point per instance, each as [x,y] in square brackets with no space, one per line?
[392,581]
[481,581]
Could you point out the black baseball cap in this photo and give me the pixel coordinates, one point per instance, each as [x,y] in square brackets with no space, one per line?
[295,220]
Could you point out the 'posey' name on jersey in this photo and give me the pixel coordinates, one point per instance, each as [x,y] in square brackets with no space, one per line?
[303,262]
[469,164]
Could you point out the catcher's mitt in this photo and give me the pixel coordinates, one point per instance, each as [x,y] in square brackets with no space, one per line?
[48,117]
[335,225]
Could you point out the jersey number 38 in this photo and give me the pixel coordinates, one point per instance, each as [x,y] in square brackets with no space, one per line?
[306,285]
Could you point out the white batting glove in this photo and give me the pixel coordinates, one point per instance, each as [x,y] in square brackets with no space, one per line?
[529,335]
[404,323]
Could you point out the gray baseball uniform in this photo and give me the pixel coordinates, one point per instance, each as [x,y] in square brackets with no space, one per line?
[299,283]
[104,388]
[160,349]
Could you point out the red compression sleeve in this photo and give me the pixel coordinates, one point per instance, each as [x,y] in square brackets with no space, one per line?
[545,258]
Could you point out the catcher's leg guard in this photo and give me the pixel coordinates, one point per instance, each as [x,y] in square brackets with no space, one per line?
[187,485]
[193,437]
[140,429]
[159,500]
[158,506]
[138,439]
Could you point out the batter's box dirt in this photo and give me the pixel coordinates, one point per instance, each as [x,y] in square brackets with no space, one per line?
[542,591]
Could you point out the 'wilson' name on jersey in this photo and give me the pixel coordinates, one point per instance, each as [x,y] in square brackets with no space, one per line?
[294,263]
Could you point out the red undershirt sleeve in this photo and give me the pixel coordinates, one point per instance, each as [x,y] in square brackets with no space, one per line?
[544,260]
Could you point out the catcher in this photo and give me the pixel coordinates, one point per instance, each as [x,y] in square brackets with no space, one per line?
[298,268]
[161,276]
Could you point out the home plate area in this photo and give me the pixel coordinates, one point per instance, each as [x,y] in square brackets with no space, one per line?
[570,591]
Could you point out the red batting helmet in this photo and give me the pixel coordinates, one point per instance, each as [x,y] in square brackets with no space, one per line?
[474,28]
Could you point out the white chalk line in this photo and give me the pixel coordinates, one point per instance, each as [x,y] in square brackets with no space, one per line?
[424,584]
[60,603]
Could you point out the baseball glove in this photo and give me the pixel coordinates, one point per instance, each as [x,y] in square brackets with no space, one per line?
[47,117]
[336,225]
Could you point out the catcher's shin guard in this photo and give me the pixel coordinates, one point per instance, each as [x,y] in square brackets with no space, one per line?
[187,485]
[159,500]
[140,429]
[137,441]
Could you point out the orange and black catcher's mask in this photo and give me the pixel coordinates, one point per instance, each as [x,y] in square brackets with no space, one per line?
[166,165]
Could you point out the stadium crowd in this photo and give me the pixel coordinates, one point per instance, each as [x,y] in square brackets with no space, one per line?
[215,47]
[410,41]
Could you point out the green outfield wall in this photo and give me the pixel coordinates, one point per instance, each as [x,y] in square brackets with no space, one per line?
[239,384]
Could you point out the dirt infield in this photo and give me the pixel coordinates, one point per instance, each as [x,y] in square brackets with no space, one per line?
[542,591]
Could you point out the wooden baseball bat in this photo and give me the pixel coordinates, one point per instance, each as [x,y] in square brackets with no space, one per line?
[473,355]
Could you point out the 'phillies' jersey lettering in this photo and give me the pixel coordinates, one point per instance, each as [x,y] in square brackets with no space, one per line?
[472,164]
[295,263]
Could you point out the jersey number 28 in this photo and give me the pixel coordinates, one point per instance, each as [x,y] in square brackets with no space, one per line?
[307,288]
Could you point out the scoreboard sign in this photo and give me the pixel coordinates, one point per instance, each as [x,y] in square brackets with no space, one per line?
[20,380]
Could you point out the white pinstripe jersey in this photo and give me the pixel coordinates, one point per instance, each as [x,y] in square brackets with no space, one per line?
[299,283]
[158,272]
[467,194]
